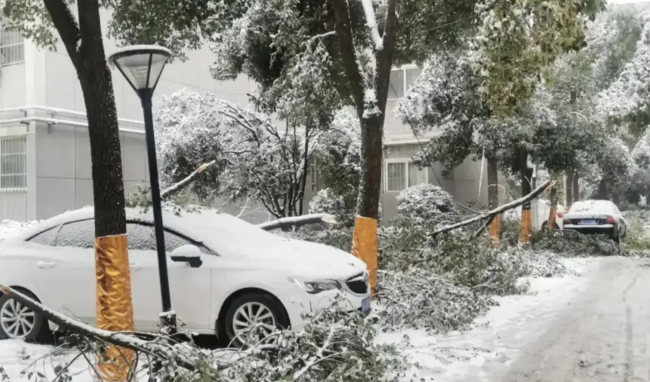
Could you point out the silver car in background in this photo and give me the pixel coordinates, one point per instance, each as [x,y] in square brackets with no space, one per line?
[596,217]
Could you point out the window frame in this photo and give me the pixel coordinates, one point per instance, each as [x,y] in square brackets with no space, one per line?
[58,232]
[191,241]
[408,163]
[22,139]
[403,69]
[17,41]
[55,231]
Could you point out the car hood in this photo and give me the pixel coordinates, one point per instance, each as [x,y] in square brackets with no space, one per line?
[297,258]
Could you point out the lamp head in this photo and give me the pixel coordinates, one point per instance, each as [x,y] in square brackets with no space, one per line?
[141,65]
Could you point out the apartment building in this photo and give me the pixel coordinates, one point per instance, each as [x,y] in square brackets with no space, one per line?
[45,164]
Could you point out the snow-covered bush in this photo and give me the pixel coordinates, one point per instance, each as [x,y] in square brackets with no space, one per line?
[12,227]
[337,237]
[326,201]
[425,204]
[460,257]
[419,298]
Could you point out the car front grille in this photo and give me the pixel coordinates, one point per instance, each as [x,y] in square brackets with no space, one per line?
[358,284]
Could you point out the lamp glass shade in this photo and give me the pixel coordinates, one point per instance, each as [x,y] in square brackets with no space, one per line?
[142,67]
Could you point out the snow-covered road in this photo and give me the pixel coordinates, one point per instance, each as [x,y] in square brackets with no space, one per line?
[602,336]
[592,327]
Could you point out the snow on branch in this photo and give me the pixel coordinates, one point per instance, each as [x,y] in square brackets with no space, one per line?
[154,349]
[490,214]
[183,183]
[298,221]
[371,21]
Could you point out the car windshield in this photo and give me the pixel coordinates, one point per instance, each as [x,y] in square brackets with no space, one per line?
[595,206]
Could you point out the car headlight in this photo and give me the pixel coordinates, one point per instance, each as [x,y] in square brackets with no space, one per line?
[319,286]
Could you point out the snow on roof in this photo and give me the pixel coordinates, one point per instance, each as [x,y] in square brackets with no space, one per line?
[214,229]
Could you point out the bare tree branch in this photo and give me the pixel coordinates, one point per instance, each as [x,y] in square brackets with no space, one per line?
[115,338]
[298,221]
[490,214]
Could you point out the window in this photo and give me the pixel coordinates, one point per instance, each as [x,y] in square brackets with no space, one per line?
[13,164]
[142,237]
[396,177]
[313,176]
[79,234]
[12,47]
[44,238]
[401,80]
[400,175]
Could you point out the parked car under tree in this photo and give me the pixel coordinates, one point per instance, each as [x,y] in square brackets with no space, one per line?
[596,217]
[226,275]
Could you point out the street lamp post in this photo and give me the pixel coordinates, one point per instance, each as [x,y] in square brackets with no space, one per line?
[142,66]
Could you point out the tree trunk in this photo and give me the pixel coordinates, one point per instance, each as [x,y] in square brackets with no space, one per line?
[84,44]
[575,186]
[526,175]
[569,188]
[493,196]
[89,60]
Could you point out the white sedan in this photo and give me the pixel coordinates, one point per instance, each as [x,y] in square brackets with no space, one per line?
[246,277]
[600,217]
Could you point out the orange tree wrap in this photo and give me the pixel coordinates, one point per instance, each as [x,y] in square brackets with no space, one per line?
[114,306]
[526,225]
[494,231]
[364,246]
[551,218]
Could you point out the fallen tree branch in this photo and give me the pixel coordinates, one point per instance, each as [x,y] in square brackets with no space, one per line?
[114,338]
[183,183]
[298,221]
[491,214]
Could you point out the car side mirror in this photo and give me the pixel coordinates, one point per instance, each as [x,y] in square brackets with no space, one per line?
[188,253]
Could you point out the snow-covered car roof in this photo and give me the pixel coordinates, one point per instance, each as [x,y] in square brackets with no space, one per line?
[207,226]
[593,206]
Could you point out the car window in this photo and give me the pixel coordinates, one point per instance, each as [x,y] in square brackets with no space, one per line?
[79,234]
[44,238]
[142,237]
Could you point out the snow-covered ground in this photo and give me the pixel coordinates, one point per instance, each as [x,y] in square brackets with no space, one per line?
[477,355]
[490,348]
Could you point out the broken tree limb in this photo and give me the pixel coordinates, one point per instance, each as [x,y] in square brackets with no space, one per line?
[127,341]
[490,214]
[183,183]
[297,221]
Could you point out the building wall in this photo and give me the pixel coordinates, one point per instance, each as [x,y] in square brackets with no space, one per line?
[64,171]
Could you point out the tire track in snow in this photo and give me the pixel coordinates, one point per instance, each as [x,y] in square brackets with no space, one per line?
[601,336]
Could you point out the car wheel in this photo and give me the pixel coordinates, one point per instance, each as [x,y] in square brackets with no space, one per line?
[251,318]
[17,321]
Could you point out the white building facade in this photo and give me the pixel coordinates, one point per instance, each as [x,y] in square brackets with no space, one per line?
[45,166]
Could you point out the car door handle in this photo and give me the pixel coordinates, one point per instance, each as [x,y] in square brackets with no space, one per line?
[135,266]
[46,264]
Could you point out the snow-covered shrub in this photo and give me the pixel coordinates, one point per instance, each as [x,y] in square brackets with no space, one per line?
[419,298]
[12,227]
[460,257]
[330,346]
[337,237]
[425,204]
[328,202]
